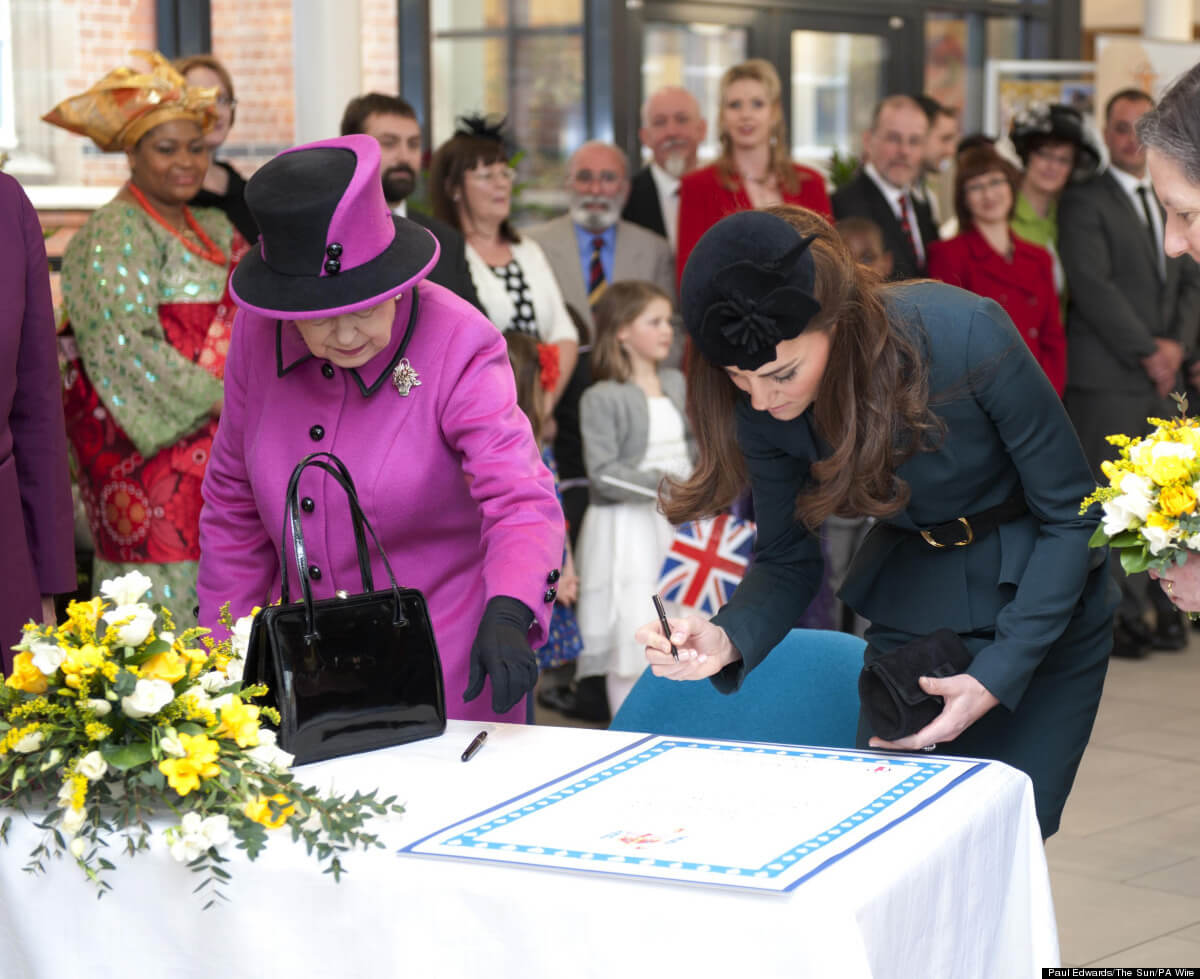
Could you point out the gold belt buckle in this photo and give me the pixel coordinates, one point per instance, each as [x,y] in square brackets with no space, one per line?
[958,543]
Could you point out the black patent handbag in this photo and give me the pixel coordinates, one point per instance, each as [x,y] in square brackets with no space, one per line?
[351,673]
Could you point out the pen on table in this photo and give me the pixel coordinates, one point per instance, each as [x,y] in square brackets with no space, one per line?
[474,746]
[662,618]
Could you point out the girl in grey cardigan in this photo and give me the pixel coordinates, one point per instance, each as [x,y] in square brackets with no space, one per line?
[634,433]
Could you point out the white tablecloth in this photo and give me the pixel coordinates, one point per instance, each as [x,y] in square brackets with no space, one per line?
[959,889]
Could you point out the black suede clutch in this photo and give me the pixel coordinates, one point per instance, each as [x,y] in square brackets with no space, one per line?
[892,699]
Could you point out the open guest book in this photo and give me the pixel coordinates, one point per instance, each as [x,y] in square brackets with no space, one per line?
[738,814]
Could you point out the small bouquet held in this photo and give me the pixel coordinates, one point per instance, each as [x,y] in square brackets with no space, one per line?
[1151,515]
[110,717]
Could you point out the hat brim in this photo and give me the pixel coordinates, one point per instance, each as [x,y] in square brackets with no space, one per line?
[410,257]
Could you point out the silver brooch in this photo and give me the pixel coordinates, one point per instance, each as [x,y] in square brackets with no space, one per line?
[405,377]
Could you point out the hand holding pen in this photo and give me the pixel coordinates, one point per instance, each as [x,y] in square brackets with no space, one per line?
[689,648]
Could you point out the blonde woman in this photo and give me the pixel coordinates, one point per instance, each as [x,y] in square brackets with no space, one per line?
[754,169]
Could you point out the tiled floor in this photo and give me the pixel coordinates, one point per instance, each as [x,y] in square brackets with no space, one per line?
[1125,865]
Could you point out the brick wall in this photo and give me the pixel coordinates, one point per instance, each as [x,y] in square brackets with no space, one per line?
[73,43]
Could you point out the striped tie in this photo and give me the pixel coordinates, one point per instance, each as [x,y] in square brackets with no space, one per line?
[596,280]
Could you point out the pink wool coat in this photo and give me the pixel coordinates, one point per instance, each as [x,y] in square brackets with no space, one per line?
[449,477]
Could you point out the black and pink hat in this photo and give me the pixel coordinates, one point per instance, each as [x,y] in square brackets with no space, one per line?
[329,242]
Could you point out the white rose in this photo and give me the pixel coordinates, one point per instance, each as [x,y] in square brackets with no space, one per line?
[216,830]
[127,589]
[30,742]
[1178,450]
[213,680]
[1193,542]
[1159,538]
[1137,492]
[102,708]
[268,754]
[78,847]
[235,669]
[136,623]
[47,657]
[92,766]
[240,637]
[171,745]
[66,792]
[72,821]
[148,697]
[1117,517]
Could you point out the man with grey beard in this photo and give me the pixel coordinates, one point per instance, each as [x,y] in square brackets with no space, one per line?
[672,130]
[590,246]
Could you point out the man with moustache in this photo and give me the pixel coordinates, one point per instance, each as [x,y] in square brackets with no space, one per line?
[591,246]
[393,123]
[894,150]
[672,129]
[1131,324]
[588,248]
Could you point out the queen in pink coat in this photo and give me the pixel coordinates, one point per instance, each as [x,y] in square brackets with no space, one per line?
[341,346]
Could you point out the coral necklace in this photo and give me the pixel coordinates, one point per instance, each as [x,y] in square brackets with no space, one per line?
[207,249]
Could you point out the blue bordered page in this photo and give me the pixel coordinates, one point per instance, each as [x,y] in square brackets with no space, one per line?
[766,817]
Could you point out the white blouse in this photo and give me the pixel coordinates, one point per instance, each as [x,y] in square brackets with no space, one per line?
[550,312]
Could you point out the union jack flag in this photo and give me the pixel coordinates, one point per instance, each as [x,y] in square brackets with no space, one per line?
[706,561]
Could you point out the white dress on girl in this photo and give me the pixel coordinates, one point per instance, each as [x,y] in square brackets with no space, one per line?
[620,553]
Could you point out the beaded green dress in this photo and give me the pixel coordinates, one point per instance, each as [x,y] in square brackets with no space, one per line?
[149,329]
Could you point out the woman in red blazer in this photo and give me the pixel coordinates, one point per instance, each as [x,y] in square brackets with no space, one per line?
[987,259]
[754,169]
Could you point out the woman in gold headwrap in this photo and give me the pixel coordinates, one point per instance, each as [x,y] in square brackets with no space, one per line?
[144,285]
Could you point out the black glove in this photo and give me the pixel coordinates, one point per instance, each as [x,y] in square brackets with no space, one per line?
[501,650]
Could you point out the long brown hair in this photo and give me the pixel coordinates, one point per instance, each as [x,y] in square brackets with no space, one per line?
[526,365]
[872,407]
[780,161]
[622,303]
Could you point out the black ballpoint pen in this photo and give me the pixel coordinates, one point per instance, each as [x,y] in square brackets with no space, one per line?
[662,618]
[474,746]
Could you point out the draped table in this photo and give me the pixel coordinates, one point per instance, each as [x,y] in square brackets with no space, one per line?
[959,888]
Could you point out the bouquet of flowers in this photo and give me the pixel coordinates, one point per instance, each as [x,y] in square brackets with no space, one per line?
[1151,516]
[111,716]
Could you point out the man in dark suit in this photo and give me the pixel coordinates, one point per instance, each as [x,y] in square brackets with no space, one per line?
[893,154]
[1131,324]
[672,129]
[393,123]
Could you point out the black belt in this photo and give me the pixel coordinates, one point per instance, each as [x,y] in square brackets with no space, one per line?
[963,530]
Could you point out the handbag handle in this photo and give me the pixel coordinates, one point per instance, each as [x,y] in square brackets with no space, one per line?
[291,501]
[340,475]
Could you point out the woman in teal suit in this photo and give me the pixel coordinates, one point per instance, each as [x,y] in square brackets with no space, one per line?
[920,405]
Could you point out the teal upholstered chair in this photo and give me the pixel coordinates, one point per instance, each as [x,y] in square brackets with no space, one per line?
[804,692]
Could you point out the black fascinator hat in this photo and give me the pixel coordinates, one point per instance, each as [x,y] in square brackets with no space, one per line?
[1055,123]
[747,285]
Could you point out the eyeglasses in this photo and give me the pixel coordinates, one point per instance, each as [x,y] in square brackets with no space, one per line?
[605,178]
[493,175]
[983,186]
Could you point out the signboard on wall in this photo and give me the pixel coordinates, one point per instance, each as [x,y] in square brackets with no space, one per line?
[1123,61]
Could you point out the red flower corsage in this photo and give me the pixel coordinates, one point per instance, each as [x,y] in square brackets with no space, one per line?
[548,363]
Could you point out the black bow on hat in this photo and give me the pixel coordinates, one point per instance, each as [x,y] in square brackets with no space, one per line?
[747,285]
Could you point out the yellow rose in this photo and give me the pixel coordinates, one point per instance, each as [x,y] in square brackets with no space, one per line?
[260,810]
[240,722]
[1160,520]
[1168,469]
[25,676]
[168,666]
[1176,500]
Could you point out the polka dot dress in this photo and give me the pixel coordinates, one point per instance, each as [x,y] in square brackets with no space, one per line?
[517,288]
